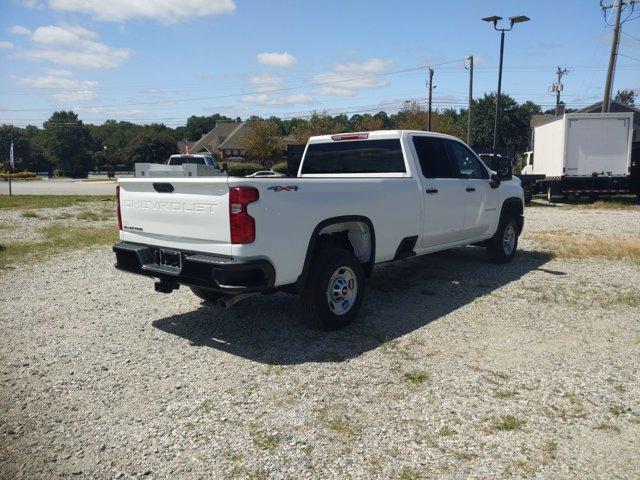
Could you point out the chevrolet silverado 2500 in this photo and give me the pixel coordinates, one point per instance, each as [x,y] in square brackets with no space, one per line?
[359,199]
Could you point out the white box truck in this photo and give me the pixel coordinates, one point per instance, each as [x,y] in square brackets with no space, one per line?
[582,155]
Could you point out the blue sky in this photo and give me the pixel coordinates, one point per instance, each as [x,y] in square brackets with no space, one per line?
[163,60]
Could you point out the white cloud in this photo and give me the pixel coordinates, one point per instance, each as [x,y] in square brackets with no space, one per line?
[347,78]
[71,45]
[4,45]
[81,95]
[57,79]
[373,65]
[20,30]
[266,81]
[274,59]
[166,11]
[267,100]
[70,88]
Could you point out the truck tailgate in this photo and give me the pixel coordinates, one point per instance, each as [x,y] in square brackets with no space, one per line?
[185,213]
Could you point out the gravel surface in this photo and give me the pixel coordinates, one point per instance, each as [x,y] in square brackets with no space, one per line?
[456,368]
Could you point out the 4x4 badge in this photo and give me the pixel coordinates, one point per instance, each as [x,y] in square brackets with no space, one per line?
[284,188]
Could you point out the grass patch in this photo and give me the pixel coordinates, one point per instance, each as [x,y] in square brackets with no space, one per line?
[339,424]
[15,202]
[505,394]
[417,376]
[550,448]
[624,202]
[583,296]
[31,214]
[57,239]
[407,473]
[568,246]
[508,423]
[266,441]
[90,216]
[446,432]
[616,410]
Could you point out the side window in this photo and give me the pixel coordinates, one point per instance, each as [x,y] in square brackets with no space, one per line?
[433,158]
[468,164]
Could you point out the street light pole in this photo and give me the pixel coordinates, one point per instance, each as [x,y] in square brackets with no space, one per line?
[495,118]
[494,20]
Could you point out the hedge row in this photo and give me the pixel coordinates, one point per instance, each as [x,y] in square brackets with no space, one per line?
[280,167]
[18,175]
[238,169]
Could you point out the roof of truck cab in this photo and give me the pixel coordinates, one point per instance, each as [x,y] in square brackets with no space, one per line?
[380,135]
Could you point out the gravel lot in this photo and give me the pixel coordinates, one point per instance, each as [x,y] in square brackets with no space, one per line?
[456,368]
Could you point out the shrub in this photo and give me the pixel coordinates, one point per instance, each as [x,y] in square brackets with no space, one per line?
[18,175]
[280,167]
[239,169]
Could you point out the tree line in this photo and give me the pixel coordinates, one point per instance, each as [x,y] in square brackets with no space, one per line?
[67,144]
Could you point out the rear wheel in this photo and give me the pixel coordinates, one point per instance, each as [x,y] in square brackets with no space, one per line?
[335,289]
[207,295]
[502,246]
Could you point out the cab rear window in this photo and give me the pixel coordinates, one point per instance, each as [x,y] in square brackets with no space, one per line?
[183,160]
[366,156]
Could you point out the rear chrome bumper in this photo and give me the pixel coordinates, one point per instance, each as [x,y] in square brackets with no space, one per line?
[223,274]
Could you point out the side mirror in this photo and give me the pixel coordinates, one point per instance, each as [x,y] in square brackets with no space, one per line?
[225,167]
[494,180]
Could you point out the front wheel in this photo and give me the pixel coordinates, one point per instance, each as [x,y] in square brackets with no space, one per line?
[335,289]
[502,246]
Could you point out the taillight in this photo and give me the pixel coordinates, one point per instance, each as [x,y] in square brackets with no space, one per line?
[118,214]
[243,226]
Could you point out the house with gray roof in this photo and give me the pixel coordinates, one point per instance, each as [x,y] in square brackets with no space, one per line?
[224,141]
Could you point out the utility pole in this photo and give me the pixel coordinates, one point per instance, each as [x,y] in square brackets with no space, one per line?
[615,43]
[430,95]
[470,58]
[558,87]
[612,58]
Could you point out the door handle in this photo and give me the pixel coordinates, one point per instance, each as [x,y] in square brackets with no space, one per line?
[471,189]
[432,190]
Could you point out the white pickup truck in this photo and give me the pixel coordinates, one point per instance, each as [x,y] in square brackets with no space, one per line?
[359,199]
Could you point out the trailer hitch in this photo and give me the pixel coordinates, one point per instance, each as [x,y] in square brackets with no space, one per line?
[166,286]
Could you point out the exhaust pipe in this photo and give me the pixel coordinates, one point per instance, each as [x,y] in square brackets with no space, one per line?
[229,300]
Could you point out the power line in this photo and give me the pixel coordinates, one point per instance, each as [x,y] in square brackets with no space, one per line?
[257,92]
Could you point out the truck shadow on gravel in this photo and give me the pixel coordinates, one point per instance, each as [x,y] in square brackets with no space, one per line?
[401,297]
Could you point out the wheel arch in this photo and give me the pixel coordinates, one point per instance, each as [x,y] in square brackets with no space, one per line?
[515,207]
[332,225]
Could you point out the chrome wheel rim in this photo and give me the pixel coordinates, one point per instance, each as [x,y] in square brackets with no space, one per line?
[342,290]
[509,239]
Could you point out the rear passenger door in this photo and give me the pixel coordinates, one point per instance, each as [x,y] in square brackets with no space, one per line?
[479,197]
[442,193]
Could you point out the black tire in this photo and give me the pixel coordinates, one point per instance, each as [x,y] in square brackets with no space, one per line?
[327,264]
[207,295]
[497,248]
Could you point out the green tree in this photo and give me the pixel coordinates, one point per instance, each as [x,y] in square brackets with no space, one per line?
[26,153]
[149,146]
[263,141]
[198,126]
[67,143]
[318,124]
[513,130]
[628,97]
